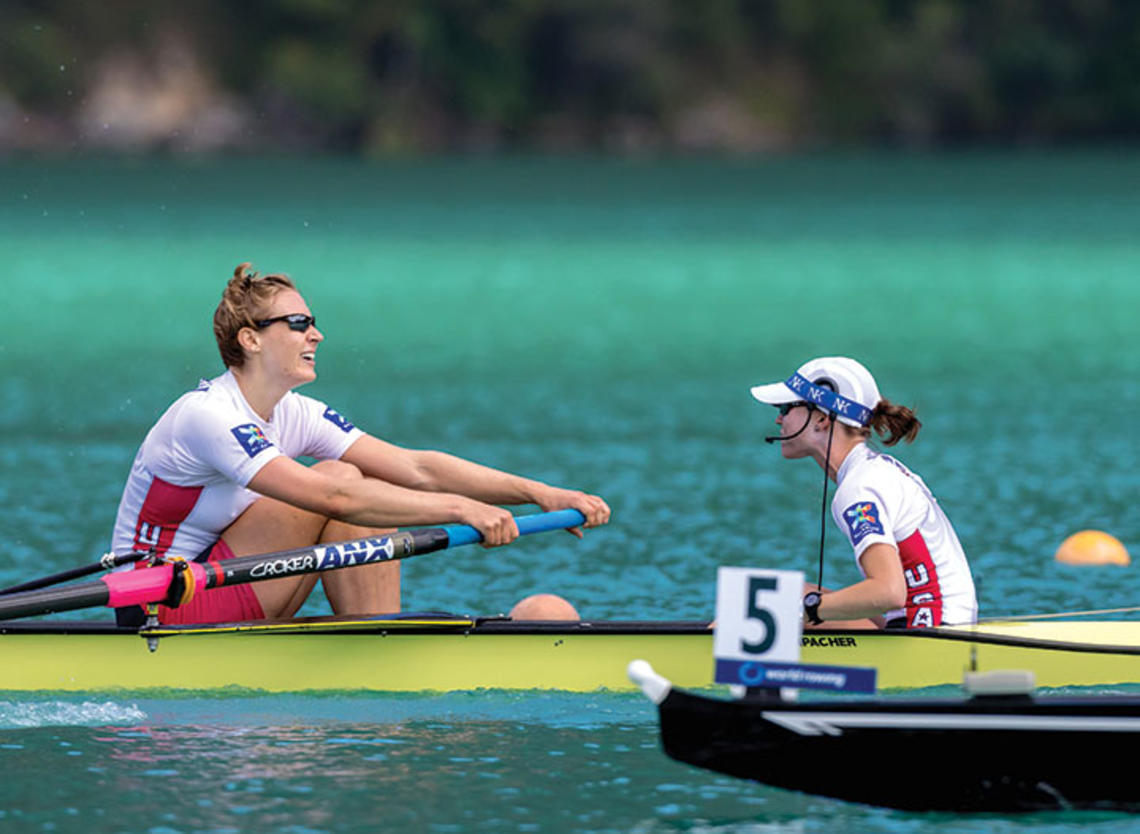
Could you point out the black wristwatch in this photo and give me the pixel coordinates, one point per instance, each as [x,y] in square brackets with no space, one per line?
[811,607]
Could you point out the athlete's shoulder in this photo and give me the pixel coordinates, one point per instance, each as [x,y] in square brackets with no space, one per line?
[860,467]
[222,386]
[206,393]
[854,493]
[883,468]
[300,405]
[870,476]
[212,405]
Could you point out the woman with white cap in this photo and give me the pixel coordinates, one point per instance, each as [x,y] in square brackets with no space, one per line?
[915,571]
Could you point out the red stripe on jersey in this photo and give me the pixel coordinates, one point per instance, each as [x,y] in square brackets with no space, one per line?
[165,508]
[923,590]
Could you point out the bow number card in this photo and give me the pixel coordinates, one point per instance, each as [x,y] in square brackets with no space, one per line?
[759,631]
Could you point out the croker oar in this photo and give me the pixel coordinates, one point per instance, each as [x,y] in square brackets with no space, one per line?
[154,584]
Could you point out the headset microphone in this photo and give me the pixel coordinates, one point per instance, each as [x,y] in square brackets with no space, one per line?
[780,438]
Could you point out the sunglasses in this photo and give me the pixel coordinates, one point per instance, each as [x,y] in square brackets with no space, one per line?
[296,321]
[784,408]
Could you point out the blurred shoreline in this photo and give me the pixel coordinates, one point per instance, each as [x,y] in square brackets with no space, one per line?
[624,77]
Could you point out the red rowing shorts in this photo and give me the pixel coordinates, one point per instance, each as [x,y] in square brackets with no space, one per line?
[228,604]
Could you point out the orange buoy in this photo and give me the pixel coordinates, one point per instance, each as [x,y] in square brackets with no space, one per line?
[1092,547]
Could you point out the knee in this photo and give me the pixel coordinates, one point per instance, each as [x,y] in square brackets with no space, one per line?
[338,469]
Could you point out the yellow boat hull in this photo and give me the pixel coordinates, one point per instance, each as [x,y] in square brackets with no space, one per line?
[448,654]
[397,656]
[1059,653]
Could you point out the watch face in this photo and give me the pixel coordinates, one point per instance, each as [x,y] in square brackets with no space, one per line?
[811,607]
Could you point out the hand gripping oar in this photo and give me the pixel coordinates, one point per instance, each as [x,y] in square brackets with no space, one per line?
[157,584]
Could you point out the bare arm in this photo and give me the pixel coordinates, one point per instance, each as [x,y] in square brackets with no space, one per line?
[432,471]
[375,503]
[883,589]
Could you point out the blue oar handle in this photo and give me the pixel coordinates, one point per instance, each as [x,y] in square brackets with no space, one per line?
[460,534]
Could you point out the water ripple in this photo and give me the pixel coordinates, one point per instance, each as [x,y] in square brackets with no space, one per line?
[18,715]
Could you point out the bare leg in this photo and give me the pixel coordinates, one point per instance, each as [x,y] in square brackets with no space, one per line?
[269,525]
[365,589]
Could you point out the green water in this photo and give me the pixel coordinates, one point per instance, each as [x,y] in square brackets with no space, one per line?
[595,323]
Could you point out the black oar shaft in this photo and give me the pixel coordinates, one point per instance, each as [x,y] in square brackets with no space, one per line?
[322,557]
[157,584]
[243,569]
[53,600]
[106,563]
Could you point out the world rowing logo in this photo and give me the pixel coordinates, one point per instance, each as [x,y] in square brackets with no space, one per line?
[862,520]
[251,438]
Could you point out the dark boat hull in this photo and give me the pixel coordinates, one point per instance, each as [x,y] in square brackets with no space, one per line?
[1006,754]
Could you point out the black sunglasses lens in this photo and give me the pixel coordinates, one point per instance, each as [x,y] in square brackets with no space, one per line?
[296,321]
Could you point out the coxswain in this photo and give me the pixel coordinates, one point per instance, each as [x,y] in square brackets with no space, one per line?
[915,572]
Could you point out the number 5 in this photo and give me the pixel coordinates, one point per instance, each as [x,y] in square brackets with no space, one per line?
[752,611]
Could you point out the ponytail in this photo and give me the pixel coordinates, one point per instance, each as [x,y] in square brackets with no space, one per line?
[894,423]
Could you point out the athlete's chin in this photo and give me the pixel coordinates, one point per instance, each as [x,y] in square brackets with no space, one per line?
[304,375]
[792,452]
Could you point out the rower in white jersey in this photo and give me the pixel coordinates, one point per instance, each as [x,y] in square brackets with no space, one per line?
[915,573]
[216,477]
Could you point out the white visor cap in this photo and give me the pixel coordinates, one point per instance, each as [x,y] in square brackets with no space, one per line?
[846,377]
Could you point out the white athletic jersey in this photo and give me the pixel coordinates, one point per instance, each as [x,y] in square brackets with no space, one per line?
[880,500]
[188,480]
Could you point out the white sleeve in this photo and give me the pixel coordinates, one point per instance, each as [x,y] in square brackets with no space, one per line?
[224,443]
[863,514]
[324,433]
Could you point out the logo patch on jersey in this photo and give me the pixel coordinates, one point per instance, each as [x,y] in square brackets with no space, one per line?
[338,420]
[251,438]
[862,520]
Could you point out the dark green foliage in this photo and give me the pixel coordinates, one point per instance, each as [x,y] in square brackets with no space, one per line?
[604,74]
